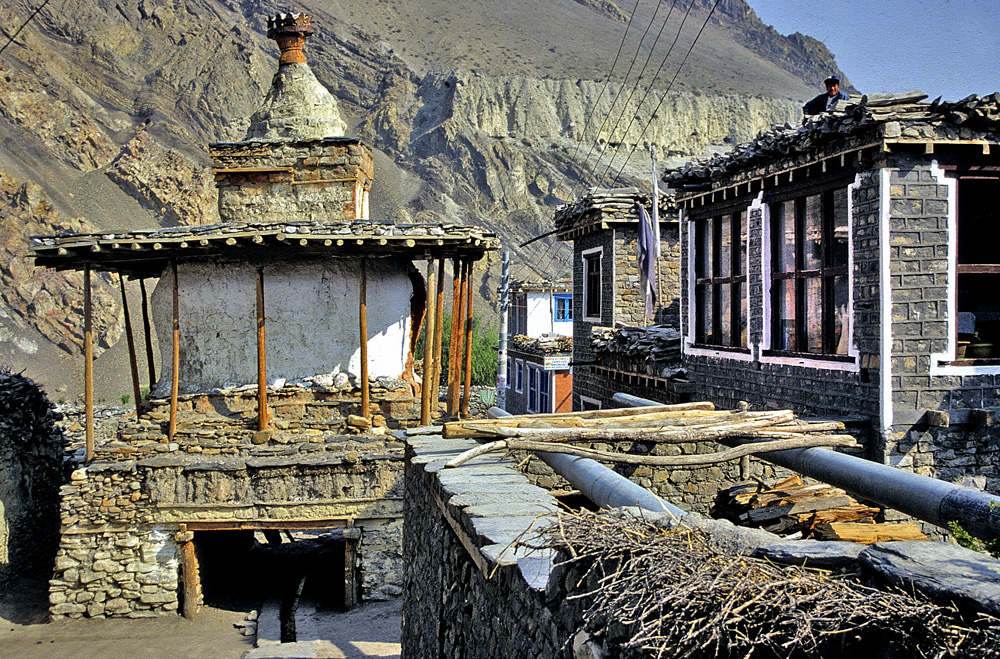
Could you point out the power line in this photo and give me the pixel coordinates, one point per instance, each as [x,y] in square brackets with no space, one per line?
[607,80]
[23,25]
[638,49]
[672,80]
[638,80]
[649,89]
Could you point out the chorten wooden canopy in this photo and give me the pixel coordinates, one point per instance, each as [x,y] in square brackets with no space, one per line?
[146,253]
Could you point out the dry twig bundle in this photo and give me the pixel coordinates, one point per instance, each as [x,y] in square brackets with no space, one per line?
[670,594]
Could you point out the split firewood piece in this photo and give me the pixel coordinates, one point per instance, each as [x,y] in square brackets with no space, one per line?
[868,533]
[700,459]
[455,429]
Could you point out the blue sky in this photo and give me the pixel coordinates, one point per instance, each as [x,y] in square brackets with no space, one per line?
[949,48]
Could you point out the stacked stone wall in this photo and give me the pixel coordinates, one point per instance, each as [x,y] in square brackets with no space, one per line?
[31,472]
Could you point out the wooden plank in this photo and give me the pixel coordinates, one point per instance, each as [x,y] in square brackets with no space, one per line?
[190,580]
[175,357]
[430,331]
[262,420]
[130,340]
[363,334]
[438,339]
[88,362]
[147,333]
[867,533]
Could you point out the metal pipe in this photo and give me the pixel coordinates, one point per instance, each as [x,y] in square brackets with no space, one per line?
[504,309]
[601,485]
[928,499]
[467,389]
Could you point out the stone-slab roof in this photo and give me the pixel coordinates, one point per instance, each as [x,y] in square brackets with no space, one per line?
[146,252]
[901,117]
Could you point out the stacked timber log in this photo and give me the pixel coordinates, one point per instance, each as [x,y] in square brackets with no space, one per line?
[659,343]
[893,111]
[744,432]
[819,511]
[543,345]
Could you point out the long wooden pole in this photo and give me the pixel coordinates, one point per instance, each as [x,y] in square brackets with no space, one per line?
[438,339]
[363,333]
[88,362]
[190,576]
[430,332]
[133,365]
[262,420]
[175,361]
[148,333]
[455,348]
[467,390]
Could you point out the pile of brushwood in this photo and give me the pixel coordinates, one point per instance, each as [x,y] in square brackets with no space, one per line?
[649,591]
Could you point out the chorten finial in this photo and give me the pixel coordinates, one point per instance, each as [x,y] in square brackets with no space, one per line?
[290,31]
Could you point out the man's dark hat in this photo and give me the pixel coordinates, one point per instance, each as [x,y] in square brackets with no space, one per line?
[831,79]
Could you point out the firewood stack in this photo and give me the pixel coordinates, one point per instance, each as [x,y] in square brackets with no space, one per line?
[792,508]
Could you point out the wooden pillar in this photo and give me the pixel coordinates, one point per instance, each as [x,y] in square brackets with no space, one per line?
[190,576]
[88,362]
[175,357]
[133,366]
[363,333]
[262,420]
[430,332]
[148,333]
[438,338]
[455,347]
[467,391]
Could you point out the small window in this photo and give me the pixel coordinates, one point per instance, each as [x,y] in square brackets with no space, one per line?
[518,376]
[533,378]
[809,274]
[564,307]
[589,403]
[592,285]
[544,397]
[519,315]
[510,372]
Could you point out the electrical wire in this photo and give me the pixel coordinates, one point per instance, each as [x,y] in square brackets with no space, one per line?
[23,25]
[614,102]
[607,79]
[669,86]
[663,62]
[635,87]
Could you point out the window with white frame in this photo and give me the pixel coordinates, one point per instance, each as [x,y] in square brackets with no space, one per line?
[533,372]
[589,403]
[518,375]
[720,280]
[592,284]
[518,322]
[977,267]
[809,274]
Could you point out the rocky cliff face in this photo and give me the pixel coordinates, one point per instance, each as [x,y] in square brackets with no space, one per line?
[488,114]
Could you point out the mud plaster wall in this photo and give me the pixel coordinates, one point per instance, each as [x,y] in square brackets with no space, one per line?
[311,312]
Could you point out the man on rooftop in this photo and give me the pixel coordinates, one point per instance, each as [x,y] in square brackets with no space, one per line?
[826,102]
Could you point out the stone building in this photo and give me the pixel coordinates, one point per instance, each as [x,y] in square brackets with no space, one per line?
[603,226]
[540,328]
[845,267]
[287,334]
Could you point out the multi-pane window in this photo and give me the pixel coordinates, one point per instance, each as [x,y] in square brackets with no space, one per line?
[809,274]
[720,280]
[592,284]
[518,376]
[519,315]
[532,388]
[978,263]
[539,397]
[564,307]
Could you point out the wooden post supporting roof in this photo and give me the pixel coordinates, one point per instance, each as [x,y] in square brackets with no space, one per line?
[133,366]
[455,347]
[262,420]
[88,362]
[148,334]
[438,334]
[363,334]
[190,574]
[430,332]
[467,390]
[176,356]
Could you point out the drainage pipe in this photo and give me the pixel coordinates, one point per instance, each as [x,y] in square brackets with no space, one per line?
[601,485]
[927,499]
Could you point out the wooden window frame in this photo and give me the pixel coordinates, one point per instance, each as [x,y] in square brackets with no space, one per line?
[825,273]
[736,279]
[592,291]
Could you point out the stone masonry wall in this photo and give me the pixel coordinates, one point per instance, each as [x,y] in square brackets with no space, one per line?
[291,181]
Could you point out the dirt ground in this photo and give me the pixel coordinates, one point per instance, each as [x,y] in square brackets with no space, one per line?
[371,630]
